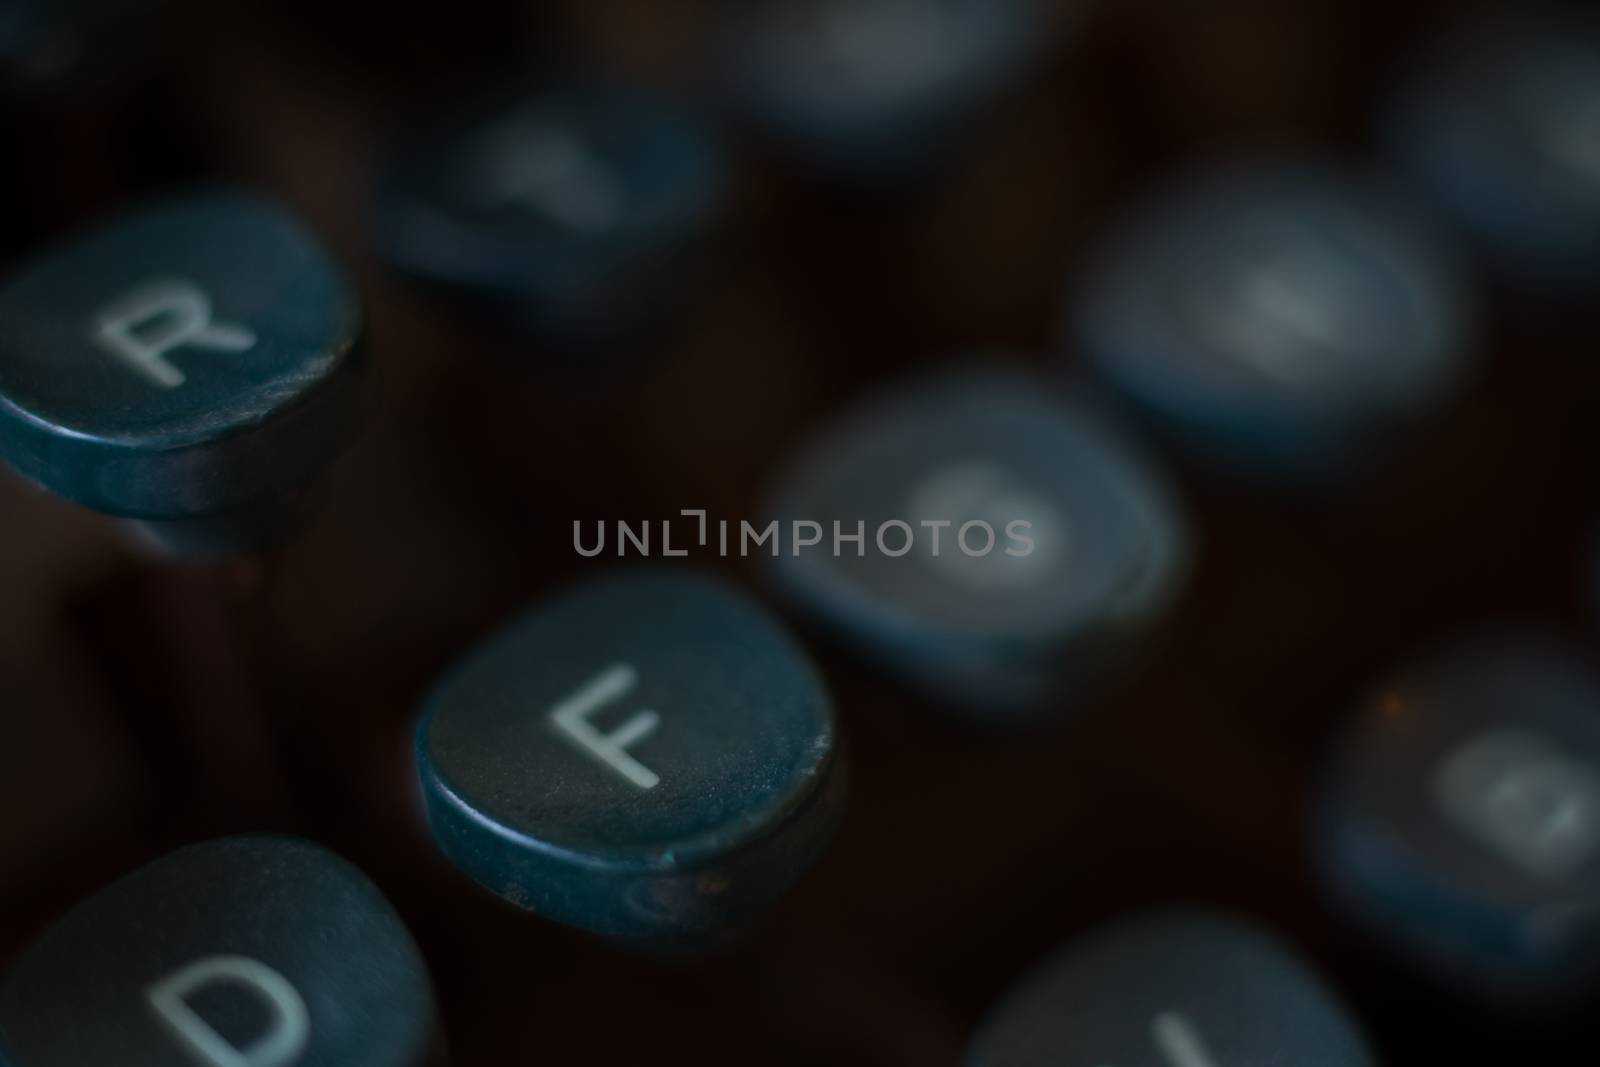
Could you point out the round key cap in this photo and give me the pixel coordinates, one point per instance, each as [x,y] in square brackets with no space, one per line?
[1277,318]
[572,213]
[241,952]
[1173,991]
[649,757]
[869,88]
[1501,126]
[1461,821]
[195,365]
[999,546]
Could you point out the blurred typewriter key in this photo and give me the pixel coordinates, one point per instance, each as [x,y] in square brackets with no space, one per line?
[1502,126]
[239,952]
[1001,547]
[868,89]
[195,366]
[1278,319]
[575,215]
[649,758]
[1462,819]
[1172,991]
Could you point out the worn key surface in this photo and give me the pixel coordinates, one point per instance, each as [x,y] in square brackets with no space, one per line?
[648,757]
[195,363]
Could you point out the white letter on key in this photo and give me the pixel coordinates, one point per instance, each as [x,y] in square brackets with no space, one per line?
[571,716]
[172,313]
[280,1046]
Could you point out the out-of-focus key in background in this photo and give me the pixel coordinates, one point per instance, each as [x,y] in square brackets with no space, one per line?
[329,337]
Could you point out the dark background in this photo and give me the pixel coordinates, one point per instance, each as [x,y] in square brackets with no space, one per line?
[143,705]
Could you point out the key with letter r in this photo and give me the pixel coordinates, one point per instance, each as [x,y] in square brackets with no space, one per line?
[194,365]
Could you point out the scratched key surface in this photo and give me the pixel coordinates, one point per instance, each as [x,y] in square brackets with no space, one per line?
[196,364]
[647,757]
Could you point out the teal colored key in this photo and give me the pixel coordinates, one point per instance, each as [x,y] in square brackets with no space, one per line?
[649,758]
[1278,318]
[1460,819]
[195,365]
[1001,547]
[1180,990]
[571,215]
[240,952]
[1497,127]
[878,90]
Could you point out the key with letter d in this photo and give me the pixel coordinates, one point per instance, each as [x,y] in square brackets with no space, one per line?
[240,952]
